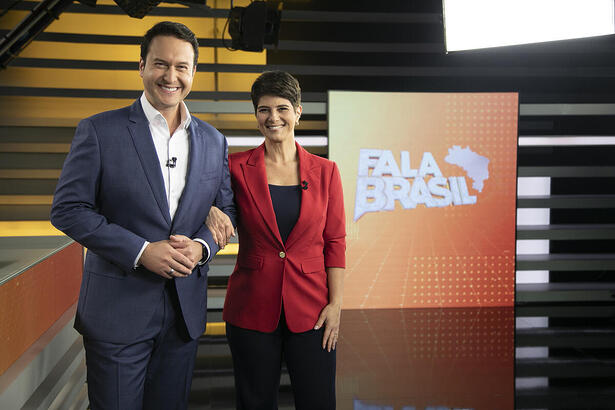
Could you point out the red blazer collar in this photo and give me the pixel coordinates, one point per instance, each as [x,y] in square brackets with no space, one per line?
[255,176]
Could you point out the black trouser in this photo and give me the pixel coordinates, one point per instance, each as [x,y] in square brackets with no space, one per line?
[257,361]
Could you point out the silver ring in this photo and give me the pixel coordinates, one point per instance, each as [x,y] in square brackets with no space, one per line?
[171,271]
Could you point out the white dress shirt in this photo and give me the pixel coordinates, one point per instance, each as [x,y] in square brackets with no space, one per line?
[171,150]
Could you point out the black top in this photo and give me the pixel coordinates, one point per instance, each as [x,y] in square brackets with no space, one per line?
[286,200]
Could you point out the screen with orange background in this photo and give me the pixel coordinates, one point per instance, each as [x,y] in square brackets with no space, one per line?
[429,189]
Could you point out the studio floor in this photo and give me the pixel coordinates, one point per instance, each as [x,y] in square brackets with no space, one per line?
[545,357]
[536,355]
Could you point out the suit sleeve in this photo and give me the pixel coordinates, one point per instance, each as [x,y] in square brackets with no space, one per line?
[224,201]
[335,226]
[74,210]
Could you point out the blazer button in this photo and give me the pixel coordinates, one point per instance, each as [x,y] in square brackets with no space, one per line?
[282,254]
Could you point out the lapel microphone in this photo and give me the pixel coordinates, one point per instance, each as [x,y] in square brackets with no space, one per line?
[304,185]
[172,162]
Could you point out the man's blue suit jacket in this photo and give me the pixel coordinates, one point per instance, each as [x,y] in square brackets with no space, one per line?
[111,198]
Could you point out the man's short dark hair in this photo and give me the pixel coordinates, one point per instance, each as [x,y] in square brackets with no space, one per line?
[277,84]
[170,28]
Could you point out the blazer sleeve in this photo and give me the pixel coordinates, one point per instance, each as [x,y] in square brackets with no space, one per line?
[335,226]
[224,201]
[74,208]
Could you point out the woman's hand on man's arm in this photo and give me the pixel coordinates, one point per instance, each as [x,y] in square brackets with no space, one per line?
[220,226]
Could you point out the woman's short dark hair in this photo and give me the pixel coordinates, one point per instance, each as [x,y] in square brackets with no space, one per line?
[170,28]
[277,84]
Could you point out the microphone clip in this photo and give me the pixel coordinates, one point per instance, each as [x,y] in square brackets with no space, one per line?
[172,162]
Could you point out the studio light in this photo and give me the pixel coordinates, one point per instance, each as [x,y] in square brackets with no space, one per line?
[140,8]
[137,8]
[254,26]
[472,24]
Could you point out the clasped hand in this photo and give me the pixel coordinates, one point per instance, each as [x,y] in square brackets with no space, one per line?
[174,257]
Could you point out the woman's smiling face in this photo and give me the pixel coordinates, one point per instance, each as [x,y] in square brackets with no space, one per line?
[277,118]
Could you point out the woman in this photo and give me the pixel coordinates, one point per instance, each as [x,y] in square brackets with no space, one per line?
[284,297]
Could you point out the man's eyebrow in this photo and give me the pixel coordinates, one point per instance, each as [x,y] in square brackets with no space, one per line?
[161,60]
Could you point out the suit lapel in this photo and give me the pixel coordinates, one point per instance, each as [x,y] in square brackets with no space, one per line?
[255,175]
[309,197]
[195,164]
[142,140]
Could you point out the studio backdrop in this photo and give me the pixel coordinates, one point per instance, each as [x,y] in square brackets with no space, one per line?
[430,188]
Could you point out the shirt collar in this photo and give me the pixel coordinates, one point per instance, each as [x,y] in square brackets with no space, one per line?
[152,114]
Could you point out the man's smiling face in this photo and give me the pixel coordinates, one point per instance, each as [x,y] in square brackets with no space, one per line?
[167,72]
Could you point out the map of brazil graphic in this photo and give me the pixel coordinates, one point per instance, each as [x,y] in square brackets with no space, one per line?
[475,166]
[429,188]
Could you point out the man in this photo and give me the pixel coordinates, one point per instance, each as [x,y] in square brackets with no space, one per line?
[136,189]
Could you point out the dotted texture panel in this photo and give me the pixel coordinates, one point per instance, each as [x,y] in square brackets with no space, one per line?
[455,255]
[426,358]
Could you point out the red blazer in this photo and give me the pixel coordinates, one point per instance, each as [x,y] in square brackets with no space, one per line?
[268,271]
